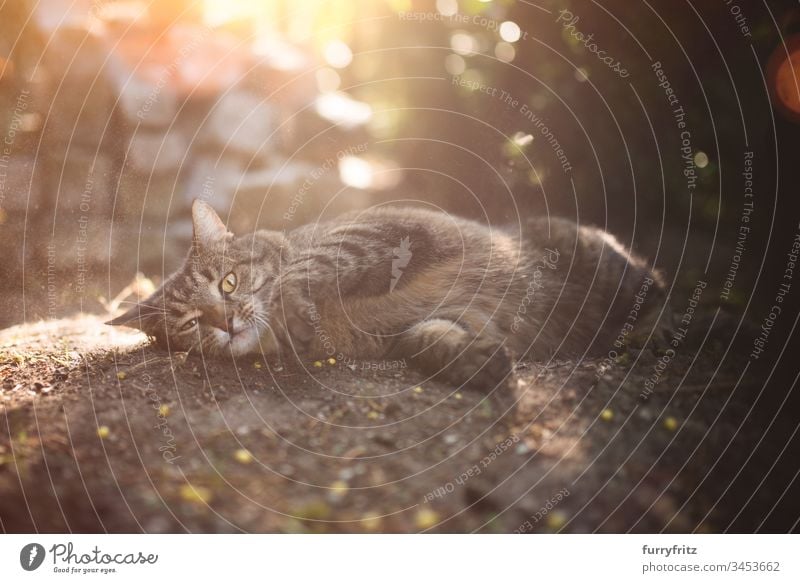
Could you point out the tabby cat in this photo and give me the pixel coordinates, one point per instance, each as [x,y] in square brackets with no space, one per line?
[451,296]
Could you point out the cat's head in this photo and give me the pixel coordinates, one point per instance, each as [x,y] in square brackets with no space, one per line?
[217,302]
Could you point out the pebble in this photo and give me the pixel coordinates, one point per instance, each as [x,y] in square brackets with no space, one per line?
[337,490]
[450,439]
[315,510]
[346,474]
[645,413]
[243,456]
[671,424]
[103,432]
[371,521]
[607,415]
[196,494]
[425,519]
[556,520]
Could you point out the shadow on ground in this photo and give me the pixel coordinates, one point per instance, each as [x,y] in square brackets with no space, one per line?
[101,432]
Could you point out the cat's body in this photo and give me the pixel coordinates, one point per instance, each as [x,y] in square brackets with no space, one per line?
[450,295]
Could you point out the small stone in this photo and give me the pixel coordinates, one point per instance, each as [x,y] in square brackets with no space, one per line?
[331,361]
[418,390]
[458,396]
[196,494]
[103,432]
[346,474]
[163,410]
[522,449]
[337,490]
[450,439]
[315,510]
[425,519]
[607,415]
[556,520]
[373,415]
[317,364]
[671,424]
[645,413]
[121,375]
[371,521]
[243,456]
[256,365]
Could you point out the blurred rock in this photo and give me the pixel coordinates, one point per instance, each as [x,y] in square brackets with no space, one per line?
[140,100]
[155,152]
[342,110]
[242,122]
[76,99]
[213,179]
[52,15]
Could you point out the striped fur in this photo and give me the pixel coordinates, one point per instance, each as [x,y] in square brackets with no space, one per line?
[452,296]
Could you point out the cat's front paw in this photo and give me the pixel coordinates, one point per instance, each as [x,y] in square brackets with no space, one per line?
[293,314]
[483,365]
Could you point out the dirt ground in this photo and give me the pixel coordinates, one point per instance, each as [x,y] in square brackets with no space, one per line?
[102,433]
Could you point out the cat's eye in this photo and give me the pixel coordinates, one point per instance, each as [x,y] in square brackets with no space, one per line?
[228,283]
[189,325]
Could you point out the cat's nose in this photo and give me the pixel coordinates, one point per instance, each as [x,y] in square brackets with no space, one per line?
[220,319]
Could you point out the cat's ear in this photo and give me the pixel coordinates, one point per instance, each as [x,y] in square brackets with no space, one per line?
[208,227]
[144,315]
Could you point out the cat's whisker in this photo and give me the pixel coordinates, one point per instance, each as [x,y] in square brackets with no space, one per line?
[152,315]
[147,308]
[264,321]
